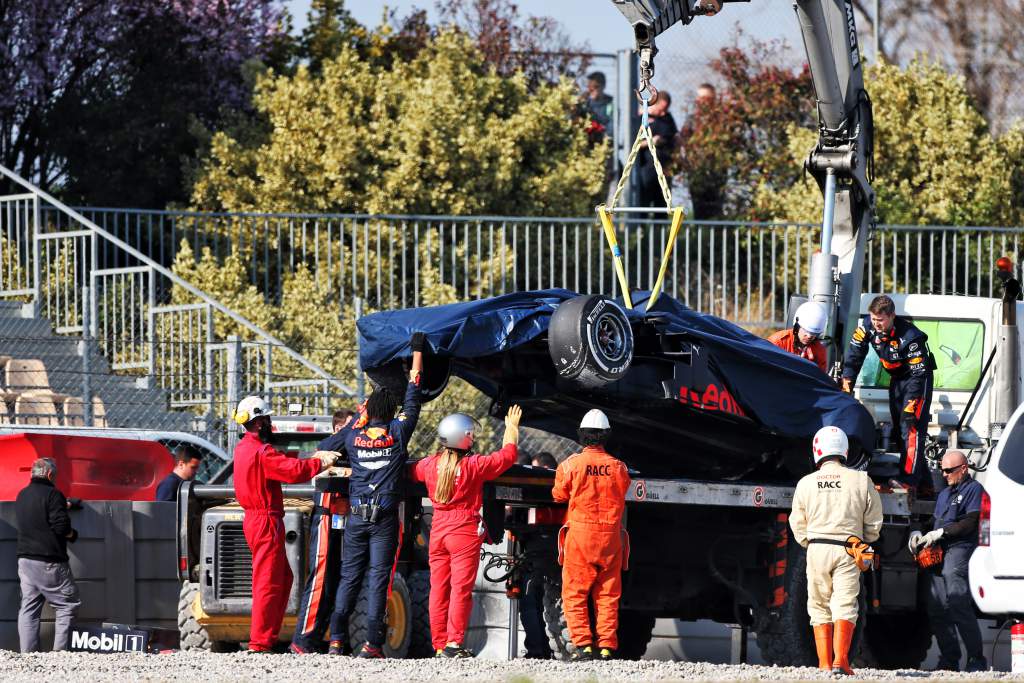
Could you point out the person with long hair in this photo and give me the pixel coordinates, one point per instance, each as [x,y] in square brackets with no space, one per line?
[455,481]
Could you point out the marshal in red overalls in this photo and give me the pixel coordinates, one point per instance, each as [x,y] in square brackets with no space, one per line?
[260,470]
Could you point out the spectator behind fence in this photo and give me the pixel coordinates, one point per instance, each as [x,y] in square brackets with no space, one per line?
[663,133]
[44,529]
[186,464]
[600,105]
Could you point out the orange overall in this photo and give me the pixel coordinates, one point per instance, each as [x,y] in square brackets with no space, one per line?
[814,352]
[593,546]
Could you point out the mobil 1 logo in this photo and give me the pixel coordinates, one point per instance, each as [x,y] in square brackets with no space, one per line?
[103,640]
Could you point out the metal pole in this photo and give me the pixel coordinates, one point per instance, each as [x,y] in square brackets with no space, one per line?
[360,378]
[84,350]
[234,354]
[878,30]
[513,611]
[830,211]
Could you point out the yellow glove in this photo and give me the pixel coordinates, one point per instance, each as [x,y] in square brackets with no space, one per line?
[515,413]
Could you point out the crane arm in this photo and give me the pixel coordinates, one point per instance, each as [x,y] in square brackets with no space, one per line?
[842,159]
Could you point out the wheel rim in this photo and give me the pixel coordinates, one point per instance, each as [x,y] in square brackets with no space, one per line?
[610,337]
[397,621]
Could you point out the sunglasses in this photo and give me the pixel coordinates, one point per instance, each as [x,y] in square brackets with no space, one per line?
[951,470]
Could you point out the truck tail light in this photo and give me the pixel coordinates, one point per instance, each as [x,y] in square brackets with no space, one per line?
[985,520]
[546,516]
[183,563]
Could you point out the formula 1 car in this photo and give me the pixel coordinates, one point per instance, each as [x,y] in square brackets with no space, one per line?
[688,394]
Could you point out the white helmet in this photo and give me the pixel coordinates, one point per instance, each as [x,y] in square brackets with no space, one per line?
[595,419]
[457,431]
[830,442]
[251,407]
[811,316]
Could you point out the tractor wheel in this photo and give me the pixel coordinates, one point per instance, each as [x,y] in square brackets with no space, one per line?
[192,634]
[398,618]
[419,590]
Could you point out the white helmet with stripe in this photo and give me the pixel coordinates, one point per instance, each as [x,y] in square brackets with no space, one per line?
[830,442]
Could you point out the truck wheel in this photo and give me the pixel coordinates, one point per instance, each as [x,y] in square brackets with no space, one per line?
[192,634]
[554,621]
[419,591]
[786,637]
[590,341]
[894,641]
[635,630]
[398,621]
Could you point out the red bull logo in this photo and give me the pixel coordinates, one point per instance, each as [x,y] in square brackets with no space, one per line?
[712,398]
[374,437]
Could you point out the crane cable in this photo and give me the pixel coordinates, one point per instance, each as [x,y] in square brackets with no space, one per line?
[643,138]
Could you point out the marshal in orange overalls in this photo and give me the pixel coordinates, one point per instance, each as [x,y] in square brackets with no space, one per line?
[594,548]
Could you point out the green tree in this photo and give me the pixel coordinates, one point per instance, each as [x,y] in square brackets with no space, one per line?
[936,161]
[440,134]
[736,142]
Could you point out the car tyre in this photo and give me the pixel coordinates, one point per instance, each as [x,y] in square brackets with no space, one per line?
[590,341]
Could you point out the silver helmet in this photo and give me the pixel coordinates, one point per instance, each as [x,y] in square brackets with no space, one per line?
[457,431]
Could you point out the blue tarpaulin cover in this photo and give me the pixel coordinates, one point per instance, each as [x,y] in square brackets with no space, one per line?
[785,393]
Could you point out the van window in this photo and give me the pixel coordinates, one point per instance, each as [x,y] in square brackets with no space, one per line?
[1011,461]
[958,347]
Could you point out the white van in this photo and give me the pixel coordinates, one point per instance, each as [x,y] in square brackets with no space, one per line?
[997,565]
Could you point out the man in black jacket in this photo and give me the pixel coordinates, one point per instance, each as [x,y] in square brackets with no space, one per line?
[44,529]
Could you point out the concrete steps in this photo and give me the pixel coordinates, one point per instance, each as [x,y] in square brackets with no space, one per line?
[128,402]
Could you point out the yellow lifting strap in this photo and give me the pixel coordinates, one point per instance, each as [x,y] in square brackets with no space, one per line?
[643,137]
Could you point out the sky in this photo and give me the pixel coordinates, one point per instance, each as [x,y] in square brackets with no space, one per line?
[600,24]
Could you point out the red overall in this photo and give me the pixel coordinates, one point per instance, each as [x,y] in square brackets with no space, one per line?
[455,538]
[259,472]
[593,548]
[814,352]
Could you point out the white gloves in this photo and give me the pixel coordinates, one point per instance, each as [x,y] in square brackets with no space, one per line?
[915,540]
[931,537]
[326,458]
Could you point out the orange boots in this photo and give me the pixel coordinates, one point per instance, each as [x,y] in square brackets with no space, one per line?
[823,642]
[843,638]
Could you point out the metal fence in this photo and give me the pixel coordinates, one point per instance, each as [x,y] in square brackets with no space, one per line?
[738,270]
[144,319]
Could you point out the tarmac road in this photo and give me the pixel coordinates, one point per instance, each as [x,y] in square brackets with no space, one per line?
[63,667]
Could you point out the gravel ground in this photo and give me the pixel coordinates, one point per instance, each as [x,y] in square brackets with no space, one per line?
[64,667]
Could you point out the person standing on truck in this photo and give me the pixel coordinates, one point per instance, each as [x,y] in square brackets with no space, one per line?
[260,469]
[44,531]
[455,482]
[803,338]
[378,454]
[902,350]
[836,513]
[950,606]
[325,537]
[593,547]
[186,465]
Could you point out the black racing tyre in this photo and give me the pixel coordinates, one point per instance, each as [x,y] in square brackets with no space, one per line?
[395,376]
[192,634]
[398,621]
[894,641]
[590,341]
[785,637]
[419,590]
